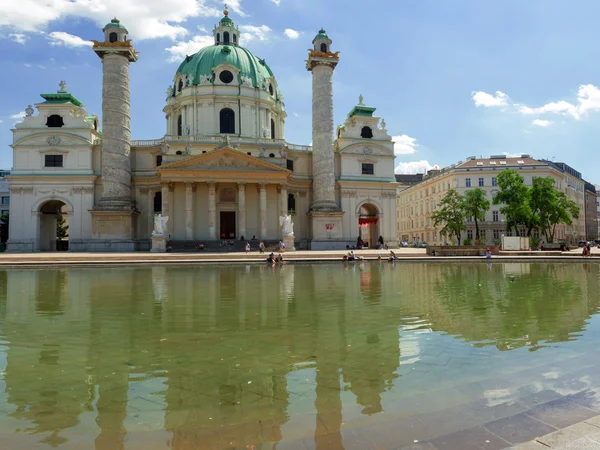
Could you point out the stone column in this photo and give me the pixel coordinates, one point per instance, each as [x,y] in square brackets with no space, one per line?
[116,134]
[212,211]
[322,134]
[189,210]
[262,187]
[242,209]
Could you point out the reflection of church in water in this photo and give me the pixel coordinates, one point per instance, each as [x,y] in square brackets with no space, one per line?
[223,166]
[212,357]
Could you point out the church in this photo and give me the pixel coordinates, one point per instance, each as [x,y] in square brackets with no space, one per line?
[223,168]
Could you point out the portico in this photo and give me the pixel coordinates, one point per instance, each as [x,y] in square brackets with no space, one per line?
[224,193]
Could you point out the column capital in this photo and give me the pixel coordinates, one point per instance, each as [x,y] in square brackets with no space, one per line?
[144,190]
[190,185]
[241,184]
[262,186]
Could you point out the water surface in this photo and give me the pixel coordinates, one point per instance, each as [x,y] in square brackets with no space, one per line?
[326,356]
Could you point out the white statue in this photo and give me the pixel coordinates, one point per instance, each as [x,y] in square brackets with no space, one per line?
[188,149]
[383,124]
[63,87]
[160,225]
[164,148]
[287,226]
[246,81]
[360,100]
[81,112]
[186,130]
[170,91]
[190,79]
[205,79]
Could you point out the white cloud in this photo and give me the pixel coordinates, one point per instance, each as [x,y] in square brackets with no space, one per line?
[251,32]
[296,114]
[17,117]
[181,49]
[277,2]
[413,167]
[19,38]
[292,34]
[512,155]
[488,100]
[145,19]
[404,145]
[66,39]
[541,123]
[27,64]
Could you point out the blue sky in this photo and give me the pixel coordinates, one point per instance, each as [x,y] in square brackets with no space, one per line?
[451,78]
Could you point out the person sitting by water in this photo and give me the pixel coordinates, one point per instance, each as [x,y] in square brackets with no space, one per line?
[253,237]
[351,256]
[585,251]
[242,238]
[270,259]
[261,247]
[200,246]
[488,254]
[393,256]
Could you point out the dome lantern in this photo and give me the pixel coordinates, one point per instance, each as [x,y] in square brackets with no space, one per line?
[114,31]
[322,42]
[226,33]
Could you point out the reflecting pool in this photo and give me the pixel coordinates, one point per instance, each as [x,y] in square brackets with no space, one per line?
[324,356]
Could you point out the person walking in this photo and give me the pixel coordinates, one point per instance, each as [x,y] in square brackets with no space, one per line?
[247,247]
[261,247]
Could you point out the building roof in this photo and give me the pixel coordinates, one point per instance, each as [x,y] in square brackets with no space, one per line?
[500,161]
[409,178]
[60,98]
[362,110]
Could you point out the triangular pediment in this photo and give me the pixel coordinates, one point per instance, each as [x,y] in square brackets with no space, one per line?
[224,159]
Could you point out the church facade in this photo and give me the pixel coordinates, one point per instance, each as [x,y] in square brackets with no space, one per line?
[222,169]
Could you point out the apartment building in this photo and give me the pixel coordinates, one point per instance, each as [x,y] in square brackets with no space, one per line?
[416,203]
[591,212]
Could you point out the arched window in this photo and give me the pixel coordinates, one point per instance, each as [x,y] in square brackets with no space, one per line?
[218,37]
[226,37]
[324,48]
[227,121]
[158,201]
[55,121]
[234,38]
[366,133]
[180,85]
[291,203]
[179,125]
[271,89]
[112,37]
[272,129]
[271,155]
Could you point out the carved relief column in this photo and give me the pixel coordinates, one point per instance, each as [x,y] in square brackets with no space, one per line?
[189,212]
[283,211]
[149,206]
[212,211]
[242,209]
[164,210]
[262,187]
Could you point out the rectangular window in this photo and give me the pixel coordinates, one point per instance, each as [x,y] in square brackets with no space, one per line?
[495,216]
[290,165]
[6,200]
[368,169]
[481,182]
[470,235]
[53,160]
[468,182]
[158,160]
[494,181]
[496,234]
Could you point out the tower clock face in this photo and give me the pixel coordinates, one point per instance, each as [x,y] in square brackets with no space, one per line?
[226,76]
[367,151]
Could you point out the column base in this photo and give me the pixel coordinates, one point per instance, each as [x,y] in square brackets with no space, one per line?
[114,204]
[289,243]
[327,230]
[159,244]
[114,225]
[325,207]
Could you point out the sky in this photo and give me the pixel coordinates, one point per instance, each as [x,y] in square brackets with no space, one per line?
[452,79]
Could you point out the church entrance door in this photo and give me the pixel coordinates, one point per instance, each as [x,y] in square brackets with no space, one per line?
[227,224]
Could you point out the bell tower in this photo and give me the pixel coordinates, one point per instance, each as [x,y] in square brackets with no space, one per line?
[114,214]
[325,212]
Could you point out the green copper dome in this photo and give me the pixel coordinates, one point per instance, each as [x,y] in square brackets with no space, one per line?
[114,24]
[206,59]
[322,35]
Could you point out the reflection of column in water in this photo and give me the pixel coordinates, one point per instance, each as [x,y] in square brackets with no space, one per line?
[286,291]
[241,295]
[264,303]
[212,287]
[159,283]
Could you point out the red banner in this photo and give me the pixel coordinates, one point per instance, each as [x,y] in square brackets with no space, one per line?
[366,220]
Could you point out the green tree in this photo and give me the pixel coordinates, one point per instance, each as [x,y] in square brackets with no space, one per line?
[513,195]
[475,206]
[559,209]
[451,214]
[61,228]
